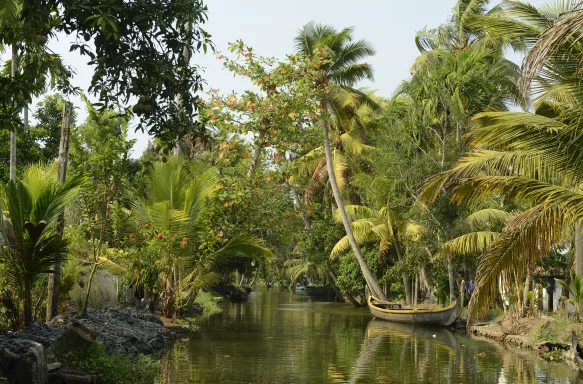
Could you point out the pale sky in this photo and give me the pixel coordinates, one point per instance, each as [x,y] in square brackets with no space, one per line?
[269,26]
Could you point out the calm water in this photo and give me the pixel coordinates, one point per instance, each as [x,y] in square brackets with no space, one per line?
[279,337]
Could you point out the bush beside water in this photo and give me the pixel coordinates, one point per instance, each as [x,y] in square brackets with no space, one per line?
[115,368]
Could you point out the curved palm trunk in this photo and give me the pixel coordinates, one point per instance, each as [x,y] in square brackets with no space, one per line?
[373,285]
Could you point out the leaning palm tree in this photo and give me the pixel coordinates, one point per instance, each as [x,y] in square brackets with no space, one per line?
[383,226]
[348,129]
[339,70]
[30,246]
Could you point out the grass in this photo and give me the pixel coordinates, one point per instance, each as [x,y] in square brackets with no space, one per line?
[210,307]
[114,368]
[208,302]
[554,328]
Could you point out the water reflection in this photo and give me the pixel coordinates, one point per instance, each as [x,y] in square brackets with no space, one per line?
[282,338]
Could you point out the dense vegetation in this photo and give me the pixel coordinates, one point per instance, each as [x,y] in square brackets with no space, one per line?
[470,171]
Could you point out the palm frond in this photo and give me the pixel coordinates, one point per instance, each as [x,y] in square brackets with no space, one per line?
[487,217]
[473,243]
[526,235]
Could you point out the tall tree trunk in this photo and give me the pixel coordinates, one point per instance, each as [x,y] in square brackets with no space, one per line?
[55,277]
[347,296]
[528,287]
[406,280]
[25,118]
[27,304]
[256,154]
[579,252]
[13,133]
[178,150]
[368,275]
[408,290]
[254,276]
[416,290]
[452,290]
[579,249]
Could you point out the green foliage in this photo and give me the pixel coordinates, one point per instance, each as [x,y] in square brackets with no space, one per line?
[30,212]
[575,290]
[137,51]
[115,368]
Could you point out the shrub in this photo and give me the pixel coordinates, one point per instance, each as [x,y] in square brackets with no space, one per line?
[115,368]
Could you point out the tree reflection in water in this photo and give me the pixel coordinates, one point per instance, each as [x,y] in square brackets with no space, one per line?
[277,337]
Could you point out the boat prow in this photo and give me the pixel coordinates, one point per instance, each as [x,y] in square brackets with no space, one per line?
[394,312]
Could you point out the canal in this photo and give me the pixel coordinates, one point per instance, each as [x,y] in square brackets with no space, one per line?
[281,337]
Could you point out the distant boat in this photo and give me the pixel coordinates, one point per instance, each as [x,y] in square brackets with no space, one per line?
[300,287]
[324,290]
[396,313]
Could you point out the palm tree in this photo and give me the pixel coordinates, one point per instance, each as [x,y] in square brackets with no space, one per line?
[484,227]
[532,157]
[175,205]
[30,247]
[339,70]
[458,34]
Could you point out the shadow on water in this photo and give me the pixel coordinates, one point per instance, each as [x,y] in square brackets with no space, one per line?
[279,337]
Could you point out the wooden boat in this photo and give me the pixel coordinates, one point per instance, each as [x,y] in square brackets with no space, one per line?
[300,287]
[577,350]
[324,290]
[396,313]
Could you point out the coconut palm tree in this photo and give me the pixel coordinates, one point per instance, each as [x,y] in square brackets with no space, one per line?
[30,213]
[339,70]
[534,157]
[458,33]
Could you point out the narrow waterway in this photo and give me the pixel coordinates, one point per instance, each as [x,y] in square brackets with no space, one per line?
[280,337]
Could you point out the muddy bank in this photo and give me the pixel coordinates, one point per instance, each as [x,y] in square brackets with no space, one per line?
[548,336]
[128,331]
[40,353]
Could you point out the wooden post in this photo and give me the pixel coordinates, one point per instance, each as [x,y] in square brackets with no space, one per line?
[13,133]
[54,278]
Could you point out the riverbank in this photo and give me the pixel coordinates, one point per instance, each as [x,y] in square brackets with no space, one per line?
[65,350]
[549,336]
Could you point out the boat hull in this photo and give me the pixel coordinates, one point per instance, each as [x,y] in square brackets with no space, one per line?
[325,290]
[442,317]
